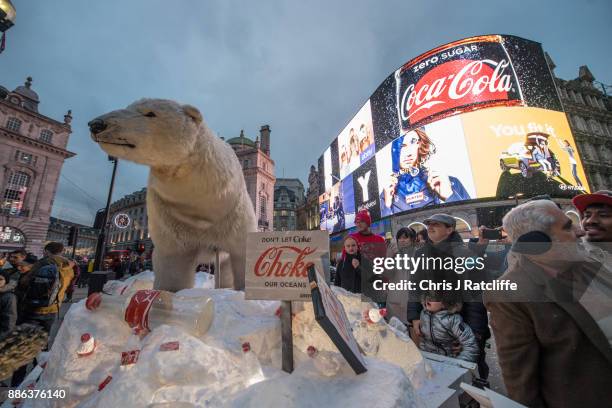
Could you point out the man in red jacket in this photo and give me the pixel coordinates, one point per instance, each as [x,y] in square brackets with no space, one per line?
[371,245]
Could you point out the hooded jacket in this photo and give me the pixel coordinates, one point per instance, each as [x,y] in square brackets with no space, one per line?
[474,314]
[441,329]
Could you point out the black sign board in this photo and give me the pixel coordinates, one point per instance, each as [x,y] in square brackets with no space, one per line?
[331,316]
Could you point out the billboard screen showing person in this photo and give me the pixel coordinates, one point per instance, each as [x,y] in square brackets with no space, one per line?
[356,142]
[476,118]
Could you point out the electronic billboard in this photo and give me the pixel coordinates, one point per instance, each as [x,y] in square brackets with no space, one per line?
[476,118]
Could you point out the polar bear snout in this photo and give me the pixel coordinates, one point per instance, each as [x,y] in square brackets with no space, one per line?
[97,125]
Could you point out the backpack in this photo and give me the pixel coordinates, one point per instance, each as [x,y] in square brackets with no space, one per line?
[44,287]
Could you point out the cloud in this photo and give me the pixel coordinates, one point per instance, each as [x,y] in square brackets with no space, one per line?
[304,68]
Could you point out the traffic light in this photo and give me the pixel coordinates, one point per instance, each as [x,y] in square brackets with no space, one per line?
[73,236]
[99,220]
[140,247]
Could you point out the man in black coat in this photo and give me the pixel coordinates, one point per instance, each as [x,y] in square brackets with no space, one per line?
[447,243]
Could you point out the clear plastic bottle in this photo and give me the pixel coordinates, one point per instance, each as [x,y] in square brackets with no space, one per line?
[252,368]
[374,315]
[326,362]
[147,309]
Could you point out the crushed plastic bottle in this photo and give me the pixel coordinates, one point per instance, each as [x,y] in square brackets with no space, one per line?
[87,346]
[252,368]
[326,362]
[147,309]
[374,315]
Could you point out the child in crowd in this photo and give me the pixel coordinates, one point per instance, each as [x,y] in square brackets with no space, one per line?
[442,328]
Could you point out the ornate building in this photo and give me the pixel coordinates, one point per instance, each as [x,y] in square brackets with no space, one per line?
[258,169]
[32,153]
[59,231]
[128,215]
[288,197]
[589,112]
[308,217]
[128,223]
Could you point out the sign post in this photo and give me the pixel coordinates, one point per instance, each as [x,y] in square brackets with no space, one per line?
[286,336]
[277,269]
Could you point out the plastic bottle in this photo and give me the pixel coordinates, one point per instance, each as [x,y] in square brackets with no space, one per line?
[87,346]
[326,362]
[373,315]
[147,309]
[252,368]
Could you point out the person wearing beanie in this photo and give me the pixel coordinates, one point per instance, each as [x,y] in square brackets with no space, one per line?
[370,245]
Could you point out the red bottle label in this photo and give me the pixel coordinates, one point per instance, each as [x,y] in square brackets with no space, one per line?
[129,357]
[104,383]
[137,311]
[169,346]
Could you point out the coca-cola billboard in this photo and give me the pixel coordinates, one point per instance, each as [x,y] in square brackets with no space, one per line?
[278,262]
[466,75]
[475,118]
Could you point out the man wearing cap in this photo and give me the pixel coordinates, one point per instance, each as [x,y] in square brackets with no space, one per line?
[596,220]
[553,333]
[370,244]
[447,243]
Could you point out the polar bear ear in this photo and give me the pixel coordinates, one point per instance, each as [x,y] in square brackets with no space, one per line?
[193,113]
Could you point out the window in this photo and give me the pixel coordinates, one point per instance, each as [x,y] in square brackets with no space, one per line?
[11,194]
[246,164]
[19,179]
[595,126]
[262,208]
[46,135]
[580,123]
[578,97]
[563,93]
[13,124]
[26,158]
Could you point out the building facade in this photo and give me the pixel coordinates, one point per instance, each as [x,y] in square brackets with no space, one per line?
[128,223]
[32,153]
[59,230]
[258,170]
[308,217]
[128,215]
[288,197]
[589,112]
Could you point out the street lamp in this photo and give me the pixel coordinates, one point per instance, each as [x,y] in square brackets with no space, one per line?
[102,235]
[7,20]
[516,197]
[7,15]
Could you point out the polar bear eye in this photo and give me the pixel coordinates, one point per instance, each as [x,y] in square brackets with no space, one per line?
[150,114]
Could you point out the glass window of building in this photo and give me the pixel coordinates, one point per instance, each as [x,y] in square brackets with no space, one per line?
[46,135]
[26,158]
[13,124]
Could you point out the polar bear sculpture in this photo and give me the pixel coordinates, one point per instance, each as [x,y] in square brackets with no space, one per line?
[197,199]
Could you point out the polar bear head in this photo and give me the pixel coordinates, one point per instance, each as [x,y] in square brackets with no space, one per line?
[153,132]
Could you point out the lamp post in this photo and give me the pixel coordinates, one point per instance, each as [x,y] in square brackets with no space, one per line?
[102,235]
[7,20]
[7,15]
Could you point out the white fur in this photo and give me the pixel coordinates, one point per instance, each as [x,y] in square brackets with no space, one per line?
[197,199]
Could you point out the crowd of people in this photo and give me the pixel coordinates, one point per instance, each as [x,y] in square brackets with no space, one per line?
[32,291]
[553,334]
